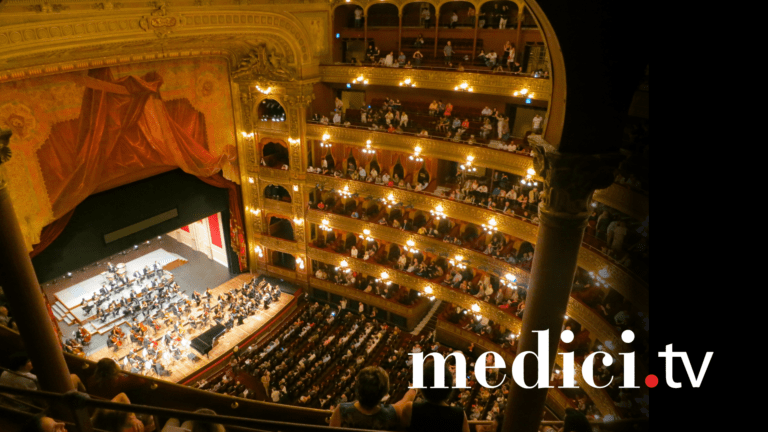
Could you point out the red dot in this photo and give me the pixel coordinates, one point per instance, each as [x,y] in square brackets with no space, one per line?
[652,381]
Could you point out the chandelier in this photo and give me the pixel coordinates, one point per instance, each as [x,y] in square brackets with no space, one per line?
[410,247]
[300,263]
[528,180]
[389,200]
[407,83]
[509,280]
[428,290]
[458,262]
[384,278]
[366,235]
[491,227]
[416,156]
[464,87]
[326,225]
[343,267]
[325,143]
[524,93]
[467,166]
[345,193]
[359,80]
[368,149]
[437,213]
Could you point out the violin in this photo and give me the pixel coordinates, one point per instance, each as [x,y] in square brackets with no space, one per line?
[143,327]
[115,340]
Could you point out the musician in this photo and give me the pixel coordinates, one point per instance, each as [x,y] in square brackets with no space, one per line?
[138,276]
[111,267]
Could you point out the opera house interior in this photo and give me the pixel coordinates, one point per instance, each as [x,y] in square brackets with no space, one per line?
[246,215]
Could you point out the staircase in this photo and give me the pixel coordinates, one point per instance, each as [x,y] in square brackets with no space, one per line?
[430,320]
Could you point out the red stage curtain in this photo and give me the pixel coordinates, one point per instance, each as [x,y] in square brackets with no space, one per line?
[235,216]
[125,132]
[51,232]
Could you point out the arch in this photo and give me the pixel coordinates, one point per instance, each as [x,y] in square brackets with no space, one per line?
[270,110]
[330,160]
[274,153]
[423,175]
[419,220]
[398,170]
[351,164]
[383,14]
[470,233]
[444,226]
[412,13]
[349,241]
[374,164]
[461,8]
[372,210]
[395,214]
[277,192]
[350,206]
[394,253]
[281,228]
[284,260]
[344,15]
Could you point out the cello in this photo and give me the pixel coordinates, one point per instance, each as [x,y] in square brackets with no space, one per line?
[86,335]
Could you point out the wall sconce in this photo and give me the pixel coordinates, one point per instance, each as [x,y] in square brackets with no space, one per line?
[437,213]
[416,156]
[458,262]
[258,251]
[247,135]
[360,80]
[366,235]
[300,263]
[384,278]
[475,308]
[266,91]
[345,193]
[251,180]
[411,247]
[524,93]
[326,225]
[389,200]
[298,221]
[407,83]
[253,211]
[368,149]
[294,141]
[509,281]
[295,188]
[528,180]
[325,143]
[343,267]
[491,227]
[464,87]
[467,166]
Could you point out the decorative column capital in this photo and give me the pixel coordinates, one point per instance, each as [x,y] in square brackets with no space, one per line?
[570,179]
[300,97]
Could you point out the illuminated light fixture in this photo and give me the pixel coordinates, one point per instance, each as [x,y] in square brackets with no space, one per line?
[366,235]
[410,247]
[475,308]
[437,213]
[326,225]
[294,141]
[343,267]
[300,263]
[258,251]
[458,262]
[345,193]
[509,280]
[254,211]
[566,318]
[389,200]
[295,188]
[325,143]
[491,227]
[467,166]
[600,277]
[368,149]
[416,156]
[247,135]
[407,83]
[528,180]
[428,290]
[464,87]
[251,180]
[266,91]
[298,221]
[522,93]
[384,278]
[360,80]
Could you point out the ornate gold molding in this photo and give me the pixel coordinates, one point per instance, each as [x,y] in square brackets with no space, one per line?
[444,293]
[394,235]
[484,156]
[631,288]
[498,85]
[281,207]
[279,245]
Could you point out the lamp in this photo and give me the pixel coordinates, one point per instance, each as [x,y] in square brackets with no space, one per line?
[467,166]
[491,227]
[407,83]
[458,262]
[410,247]
[345,193]
[509,280]
[464,87]
[360,80]
[416,156]
[368,149]
[366,235]
[343,267]
[326,225]
[528,180]
[325,143]
[437,213]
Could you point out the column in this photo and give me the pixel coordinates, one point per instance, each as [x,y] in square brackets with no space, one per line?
[18,278]
[518,39]
[365,28]
[569,180]
[400,33]
[474,43]
[437,29]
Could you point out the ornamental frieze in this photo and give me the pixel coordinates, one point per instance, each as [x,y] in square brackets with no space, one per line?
[499,85]
[485,157]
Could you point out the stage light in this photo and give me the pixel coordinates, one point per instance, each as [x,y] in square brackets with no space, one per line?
[338,35]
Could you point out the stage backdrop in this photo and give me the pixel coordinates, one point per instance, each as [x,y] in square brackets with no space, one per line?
[80,133]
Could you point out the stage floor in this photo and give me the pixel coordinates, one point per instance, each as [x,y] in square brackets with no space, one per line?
[184,367]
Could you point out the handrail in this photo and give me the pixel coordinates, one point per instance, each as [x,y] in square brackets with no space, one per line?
[80,400]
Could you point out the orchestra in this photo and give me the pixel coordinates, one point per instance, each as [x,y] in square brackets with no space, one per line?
[153,301]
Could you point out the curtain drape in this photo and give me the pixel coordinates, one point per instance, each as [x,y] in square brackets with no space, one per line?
[51,232]
[236,231]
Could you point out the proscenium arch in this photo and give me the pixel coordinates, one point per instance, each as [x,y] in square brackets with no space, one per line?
[198,35]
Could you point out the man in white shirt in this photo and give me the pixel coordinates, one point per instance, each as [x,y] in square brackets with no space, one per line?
[454,20]
[533,196]
[486,112]
[404,120]
[362,173]
[358,17]
[537,119]
[337,118]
